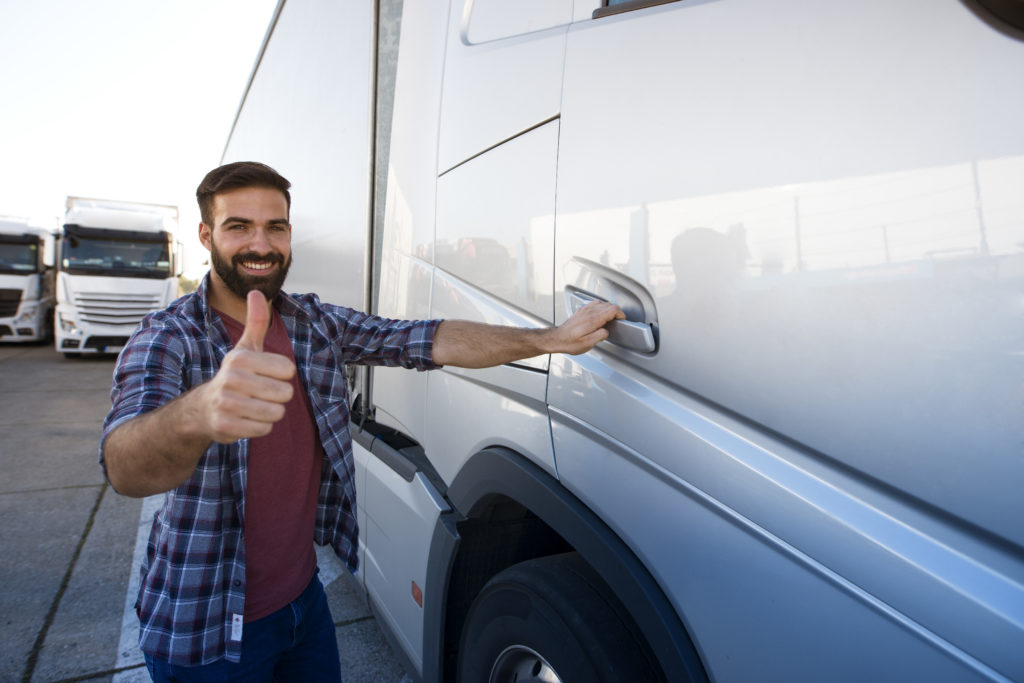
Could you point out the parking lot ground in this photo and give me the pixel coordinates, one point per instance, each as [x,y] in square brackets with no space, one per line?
[68,543]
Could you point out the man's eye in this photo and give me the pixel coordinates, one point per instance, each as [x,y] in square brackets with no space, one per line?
[236,226]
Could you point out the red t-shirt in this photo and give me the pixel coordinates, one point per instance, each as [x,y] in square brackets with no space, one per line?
[281,494]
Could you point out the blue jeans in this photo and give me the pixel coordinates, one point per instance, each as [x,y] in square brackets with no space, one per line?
[295,643]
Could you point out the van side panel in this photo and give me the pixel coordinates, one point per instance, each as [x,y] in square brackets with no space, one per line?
[803,450]
[825,205]
[308,114]
[816,211]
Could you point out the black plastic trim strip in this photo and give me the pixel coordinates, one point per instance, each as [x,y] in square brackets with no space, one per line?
[400,453]
[363,436]
[628,7]
[444,545]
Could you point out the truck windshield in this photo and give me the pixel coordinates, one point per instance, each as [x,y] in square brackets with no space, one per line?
[18,257]
[117,257]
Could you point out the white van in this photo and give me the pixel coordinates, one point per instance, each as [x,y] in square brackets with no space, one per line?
[802,457]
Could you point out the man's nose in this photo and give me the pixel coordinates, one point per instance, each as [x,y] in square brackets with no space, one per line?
[259,240]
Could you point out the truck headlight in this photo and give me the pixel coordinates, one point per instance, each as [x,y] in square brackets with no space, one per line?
[27,315]
[66,325]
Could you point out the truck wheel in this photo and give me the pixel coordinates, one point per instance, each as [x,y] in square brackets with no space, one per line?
[550,619]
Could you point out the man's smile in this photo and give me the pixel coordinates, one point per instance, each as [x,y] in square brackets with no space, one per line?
[257,264]
[251,270]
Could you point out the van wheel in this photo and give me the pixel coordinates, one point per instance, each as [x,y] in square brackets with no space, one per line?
[550,619]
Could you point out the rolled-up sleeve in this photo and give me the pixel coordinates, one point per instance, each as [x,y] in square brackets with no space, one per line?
[148,374]
[372,340]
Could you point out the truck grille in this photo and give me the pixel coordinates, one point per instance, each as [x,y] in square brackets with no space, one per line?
[115,309]
[9,300]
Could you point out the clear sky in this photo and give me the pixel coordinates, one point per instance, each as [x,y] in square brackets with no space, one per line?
[120,99]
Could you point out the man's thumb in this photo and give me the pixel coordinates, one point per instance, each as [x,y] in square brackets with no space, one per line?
[257,319]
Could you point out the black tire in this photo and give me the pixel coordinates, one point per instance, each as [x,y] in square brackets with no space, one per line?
[550,619]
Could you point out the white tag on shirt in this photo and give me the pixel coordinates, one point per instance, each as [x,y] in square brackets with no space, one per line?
[236,627]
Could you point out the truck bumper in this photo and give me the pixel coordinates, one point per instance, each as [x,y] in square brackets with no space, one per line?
[72,336]
[91,343]
[18,329]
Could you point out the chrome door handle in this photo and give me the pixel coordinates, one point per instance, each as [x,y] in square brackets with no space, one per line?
[630,334]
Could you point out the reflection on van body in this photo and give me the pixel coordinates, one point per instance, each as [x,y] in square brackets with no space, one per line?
[793,306]
[824,206]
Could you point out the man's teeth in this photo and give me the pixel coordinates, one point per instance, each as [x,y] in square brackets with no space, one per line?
[252,265]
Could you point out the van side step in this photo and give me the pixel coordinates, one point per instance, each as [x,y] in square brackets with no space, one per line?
[397,451]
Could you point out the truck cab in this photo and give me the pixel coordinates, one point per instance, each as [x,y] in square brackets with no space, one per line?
[26,282]
[117,262]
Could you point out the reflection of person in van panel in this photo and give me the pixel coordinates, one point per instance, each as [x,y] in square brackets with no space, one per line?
[701,316]
[707,265]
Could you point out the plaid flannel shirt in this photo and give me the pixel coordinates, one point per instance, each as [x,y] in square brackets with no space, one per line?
[193,575]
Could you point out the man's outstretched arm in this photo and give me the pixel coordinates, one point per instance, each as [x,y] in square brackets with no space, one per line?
[476,345]
[159,450]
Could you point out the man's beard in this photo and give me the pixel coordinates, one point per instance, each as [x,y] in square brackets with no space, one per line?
[241,283]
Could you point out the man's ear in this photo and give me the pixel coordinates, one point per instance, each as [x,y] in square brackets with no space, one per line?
[204,235]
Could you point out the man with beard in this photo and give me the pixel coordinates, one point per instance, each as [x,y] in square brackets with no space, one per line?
[233,401]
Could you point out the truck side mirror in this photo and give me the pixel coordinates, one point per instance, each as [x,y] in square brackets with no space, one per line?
[49,250]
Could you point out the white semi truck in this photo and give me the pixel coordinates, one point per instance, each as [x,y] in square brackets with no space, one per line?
[117,261]
[800,459]
[26,281]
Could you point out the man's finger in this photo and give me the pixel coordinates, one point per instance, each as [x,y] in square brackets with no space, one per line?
[612,312]
[257,319]
[232,428]
[268,381]
[599,313]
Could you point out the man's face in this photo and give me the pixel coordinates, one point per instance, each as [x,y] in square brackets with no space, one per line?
[250,241]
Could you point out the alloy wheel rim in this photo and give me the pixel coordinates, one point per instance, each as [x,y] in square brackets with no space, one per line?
[521,664]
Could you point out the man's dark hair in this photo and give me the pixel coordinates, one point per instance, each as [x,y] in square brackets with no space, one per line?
[235,176]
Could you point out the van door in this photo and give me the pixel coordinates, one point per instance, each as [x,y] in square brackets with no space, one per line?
[809,429]
[468,234]
[494,235]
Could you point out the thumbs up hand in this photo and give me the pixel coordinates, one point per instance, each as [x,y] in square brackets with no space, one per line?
[257,321]
[249,392]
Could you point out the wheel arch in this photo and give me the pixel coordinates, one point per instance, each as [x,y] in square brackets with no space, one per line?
[506,510]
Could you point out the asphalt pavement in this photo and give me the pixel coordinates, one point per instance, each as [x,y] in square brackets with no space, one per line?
[68,543]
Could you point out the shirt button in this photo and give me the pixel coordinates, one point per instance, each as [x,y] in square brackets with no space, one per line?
[238,583]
